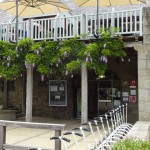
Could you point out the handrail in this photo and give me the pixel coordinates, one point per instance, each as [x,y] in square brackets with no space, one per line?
[3,124]
[57,28]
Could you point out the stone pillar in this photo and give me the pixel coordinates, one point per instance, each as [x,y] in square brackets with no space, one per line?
[143,81]
[84,91]
[146,25]
[29,90]
[144,68]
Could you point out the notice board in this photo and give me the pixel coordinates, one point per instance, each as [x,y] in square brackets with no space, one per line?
[57,93]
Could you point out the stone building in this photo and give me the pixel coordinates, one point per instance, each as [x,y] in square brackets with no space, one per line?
[126,81]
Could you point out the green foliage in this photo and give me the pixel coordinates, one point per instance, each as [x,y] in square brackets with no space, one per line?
[73,66]
[48,57]
[59,57]
[97,53]
[131,145]
[69,55]
[43,69]
[9,68]
[32,58]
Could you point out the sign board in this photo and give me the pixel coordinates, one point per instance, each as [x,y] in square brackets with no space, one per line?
[132,99]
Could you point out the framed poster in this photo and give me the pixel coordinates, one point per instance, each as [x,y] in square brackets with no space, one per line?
[117,103]
[133,92]
[132,99]
[132,83]
[57,93]
[125,93]
[125,99]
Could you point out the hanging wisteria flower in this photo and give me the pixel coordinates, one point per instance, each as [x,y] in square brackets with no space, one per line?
[65,54]
[37,52]
[129,60]
[122,59]
[104,58]
[42,77]
[66,72]
[87,59]
[59,60]
[105,45]
[8,58]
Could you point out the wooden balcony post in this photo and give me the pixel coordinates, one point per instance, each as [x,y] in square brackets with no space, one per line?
[84,26]
[2,136]
[141,21]
[112,21]
[7,33]
[30,29]
[55,29]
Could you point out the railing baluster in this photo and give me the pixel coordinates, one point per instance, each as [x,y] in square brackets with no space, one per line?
[129,22]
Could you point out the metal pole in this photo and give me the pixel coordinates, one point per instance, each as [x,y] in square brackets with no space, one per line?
[16,21]
[97,27]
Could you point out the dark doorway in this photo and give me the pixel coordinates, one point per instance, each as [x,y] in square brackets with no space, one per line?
[92,98]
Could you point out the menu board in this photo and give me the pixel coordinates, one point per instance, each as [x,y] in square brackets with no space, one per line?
[57,93]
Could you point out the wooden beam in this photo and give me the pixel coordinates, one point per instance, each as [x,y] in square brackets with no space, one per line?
[33,125]
[16,147]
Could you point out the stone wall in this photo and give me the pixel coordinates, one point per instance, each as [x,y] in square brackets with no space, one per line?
[144,68]
[41,100]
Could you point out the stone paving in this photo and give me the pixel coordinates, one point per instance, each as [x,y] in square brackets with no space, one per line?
[41,138]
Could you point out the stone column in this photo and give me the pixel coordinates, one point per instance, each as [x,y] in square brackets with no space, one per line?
[143,81]
[84,91]
[144,69]
[29,91]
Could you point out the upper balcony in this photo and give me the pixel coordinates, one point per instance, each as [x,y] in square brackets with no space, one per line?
[58,28]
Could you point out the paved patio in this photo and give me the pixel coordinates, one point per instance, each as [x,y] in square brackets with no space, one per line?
[41,138]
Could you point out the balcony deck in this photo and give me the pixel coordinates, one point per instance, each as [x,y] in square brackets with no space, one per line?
[58,28]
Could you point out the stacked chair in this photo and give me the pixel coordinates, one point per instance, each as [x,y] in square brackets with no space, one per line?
[105,130]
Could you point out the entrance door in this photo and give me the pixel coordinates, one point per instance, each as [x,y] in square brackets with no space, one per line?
[78,114]
[105,96]
[92,98]
[108,95]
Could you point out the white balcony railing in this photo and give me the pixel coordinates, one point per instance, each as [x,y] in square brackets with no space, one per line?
[128,22]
